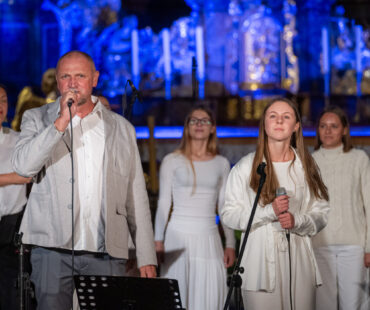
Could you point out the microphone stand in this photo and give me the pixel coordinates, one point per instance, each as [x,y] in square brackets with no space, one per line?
[130,106]
[24,282]
[69,103]
[235,280]
[194,81]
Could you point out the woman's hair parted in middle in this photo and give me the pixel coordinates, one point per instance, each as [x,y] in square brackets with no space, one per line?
[346,139]
[311,170]
[185,145]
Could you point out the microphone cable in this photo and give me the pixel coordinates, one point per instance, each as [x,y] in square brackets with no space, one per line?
[69,103]
[290,270]
[280,192]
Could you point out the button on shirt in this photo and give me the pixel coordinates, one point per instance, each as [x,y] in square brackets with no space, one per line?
[12,197]
[89,145]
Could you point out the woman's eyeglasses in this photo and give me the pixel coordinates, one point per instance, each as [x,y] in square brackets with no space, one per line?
[202,121]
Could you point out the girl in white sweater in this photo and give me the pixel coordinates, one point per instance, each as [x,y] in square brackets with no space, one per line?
[278,275]
[343,248]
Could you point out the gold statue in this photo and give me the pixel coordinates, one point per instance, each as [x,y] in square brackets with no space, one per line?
[29,98]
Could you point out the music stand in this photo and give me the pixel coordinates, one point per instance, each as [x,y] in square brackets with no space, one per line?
[126,293]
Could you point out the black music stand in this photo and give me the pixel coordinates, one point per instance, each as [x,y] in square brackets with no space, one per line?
[126,293]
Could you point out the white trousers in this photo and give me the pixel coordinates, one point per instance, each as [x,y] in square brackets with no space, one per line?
[344,278]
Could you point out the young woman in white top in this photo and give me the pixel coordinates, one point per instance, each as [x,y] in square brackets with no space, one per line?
[192,179]
[343,248]
[12,201]
[278,274]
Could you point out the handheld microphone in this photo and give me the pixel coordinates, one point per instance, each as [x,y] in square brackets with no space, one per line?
[135,91]
[70,102]
[281,191]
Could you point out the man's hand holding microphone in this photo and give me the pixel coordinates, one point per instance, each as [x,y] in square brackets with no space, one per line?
[68,101]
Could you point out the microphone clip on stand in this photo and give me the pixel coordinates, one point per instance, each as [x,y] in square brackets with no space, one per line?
[235,280]
[135,94]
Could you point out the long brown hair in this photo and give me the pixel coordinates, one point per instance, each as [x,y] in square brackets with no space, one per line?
[346,139]
[311,171]
[185,145]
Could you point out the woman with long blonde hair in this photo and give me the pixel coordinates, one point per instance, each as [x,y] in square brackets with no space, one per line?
[280,267]
[189,248]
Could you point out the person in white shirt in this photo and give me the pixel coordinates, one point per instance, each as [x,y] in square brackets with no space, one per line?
[280,266]
[188,244]
[342,248]
[12,201]
[110,200]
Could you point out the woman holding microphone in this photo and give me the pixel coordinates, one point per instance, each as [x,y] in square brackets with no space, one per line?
[280,271]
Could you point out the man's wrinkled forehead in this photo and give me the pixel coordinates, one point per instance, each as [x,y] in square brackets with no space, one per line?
[77,56]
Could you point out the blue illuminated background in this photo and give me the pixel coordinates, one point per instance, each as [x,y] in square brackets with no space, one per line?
[233,55]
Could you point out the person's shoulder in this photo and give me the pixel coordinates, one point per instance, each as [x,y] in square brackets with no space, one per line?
[172,160]
[123,125]
[319,154]
[222,160]
[244,165]
[246,160]
[10,133]
[13,133]
[173,157]
[120,119]
[315,153]
[358,154]
[40,112]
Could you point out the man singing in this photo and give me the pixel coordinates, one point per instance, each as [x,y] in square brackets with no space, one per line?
[110,199]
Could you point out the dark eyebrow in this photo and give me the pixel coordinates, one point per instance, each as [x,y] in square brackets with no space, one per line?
[283,112]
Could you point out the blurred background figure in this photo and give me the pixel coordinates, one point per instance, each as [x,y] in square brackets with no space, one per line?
[189,248]
[12,201]
[342,248]
[33,97]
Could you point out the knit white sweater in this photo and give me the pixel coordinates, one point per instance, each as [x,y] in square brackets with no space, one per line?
[347,176]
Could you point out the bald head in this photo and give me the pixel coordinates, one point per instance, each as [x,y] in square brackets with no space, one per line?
[73,54]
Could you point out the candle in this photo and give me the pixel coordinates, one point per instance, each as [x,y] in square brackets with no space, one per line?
[325,60]
[135,53]
[199,45]
[167,61]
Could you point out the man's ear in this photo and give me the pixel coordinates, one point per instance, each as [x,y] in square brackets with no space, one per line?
[95,78]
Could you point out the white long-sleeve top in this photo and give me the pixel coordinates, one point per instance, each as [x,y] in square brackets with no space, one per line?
[347,176]
[176,187]
[12,197]
[259,255]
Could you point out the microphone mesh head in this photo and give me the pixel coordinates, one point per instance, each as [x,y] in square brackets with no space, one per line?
[280,191]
